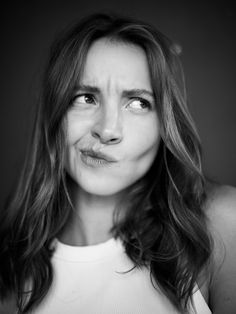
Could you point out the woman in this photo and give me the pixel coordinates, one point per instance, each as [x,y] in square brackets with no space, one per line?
[112,213]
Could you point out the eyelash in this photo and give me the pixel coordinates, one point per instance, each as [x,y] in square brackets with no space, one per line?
[144,101]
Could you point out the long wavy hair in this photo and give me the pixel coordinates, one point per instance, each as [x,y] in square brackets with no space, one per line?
[164,227]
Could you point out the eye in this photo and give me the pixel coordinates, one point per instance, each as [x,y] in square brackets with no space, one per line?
[83,99]
[139,104]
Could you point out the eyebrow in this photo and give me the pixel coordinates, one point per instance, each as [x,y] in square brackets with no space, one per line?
[125,93]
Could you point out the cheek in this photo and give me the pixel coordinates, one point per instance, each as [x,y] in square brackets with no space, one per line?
[76,130]
[142,147]
[143,138]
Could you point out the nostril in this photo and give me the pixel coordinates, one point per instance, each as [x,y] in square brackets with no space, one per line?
[109,140]
[95,134]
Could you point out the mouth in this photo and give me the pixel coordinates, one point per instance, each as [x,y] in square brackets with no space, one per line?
[92,158]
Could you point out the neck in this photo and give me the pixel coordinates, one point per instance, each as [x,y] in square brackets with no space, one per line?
[92,219]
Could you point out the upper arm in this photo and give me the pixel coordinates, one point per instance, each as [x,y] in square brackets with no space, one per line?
[222,216]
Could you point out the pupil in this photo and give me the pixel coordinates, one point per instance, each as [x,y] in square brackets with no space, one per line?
[88,99]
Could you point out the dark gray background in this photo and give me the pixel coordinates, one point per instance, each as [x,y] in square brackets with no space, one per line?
[204,30]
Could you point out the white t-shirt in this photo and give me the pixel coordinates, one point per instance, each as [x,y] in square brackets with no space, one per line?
[89,280]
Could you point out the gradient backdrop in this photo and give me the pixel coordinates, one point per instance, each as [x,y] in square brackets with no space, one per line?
[206,31]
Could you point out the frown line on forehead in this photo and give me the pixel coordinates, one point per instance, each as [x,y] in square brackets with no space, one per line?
[125,93]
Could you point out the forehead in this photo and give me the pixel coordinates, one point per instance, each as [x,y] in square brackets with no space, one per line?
[116,64]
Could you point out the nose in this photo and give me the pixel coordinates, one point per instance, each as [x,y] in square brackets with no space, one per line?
[108,125]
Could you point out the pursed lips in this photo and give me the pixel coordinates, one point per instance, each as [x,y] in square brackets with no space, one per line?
[98,155]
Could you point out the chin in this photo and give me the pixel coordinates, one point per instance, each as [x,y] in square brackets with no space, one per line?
[106,185]
[102,188]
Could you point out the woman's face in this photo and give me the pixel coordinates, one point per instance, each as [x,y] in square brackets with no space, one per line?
[112,125]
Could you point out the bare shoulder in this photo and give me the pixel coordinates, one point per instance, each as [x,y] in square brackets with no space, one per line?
[221,212]
[220,197]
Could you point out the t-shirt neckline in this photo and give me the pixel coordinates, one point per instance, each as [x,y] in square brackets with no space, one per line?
[90,253]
